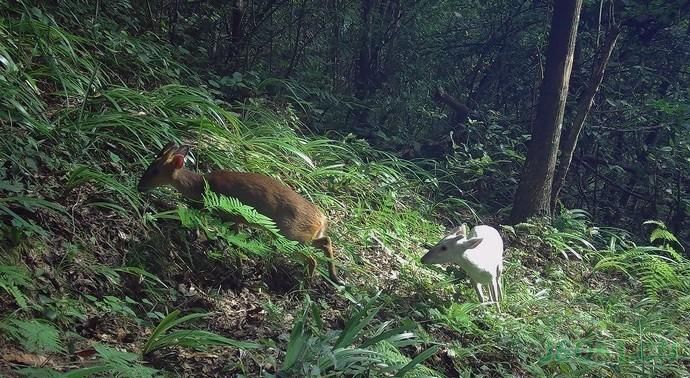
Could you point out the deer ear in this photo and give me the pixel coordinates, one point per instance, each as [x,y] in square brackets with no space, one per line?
[464,229]
[182,150]
[167,149]
[472,243]
[177,161]
[454,231]
[457,231]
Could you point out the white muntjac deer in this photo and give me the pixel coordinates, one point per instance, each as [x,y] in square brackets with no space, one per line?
[297,218]
[479,253]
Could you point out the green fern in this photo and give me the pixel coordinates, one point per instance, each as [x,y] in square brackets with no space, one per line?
[457,316]
[114,363]
[655,272]
[33,335]
[215,229]
[13,279]
[661,233]
[233,206]
[668,240]
[657,268]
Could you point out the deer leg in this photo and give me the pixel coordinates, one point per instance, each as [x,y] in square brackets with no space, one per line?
[311,268]
[324,243]
[499,284]
[478,289]
[496,290]
[492,291]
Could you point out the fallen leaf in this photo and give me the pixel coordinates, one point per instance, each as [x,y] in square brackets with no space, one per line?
[85,353]
[25,358]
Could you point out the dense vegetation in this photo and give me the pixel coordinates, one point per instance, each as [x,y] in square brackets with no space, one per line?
[400,120]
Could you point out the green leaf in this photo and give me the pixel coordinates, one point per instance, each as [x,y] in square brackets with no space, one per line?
[417,360]
[298,340]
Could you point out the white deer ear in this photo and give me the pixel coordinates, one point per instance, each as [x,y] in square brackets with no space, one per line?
[464,229]
[452,233]
[470,243]
[457,231]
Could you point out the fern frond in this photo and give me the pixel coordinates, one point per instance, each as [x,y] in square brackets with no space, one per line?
[662,234]
[12,280]
[215,228]
[242,241]
[233,206]
[115,363]
[33,335]
[667,238]
[654,271]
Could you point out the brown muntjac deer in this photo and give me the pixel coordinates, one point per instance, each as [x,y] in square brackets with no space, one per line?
[297,218]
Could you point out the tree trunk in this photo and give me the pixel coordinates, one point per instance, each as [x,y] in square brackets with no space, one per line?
[335,44]
[173,12]
[236,15]
[533,195]
[364,73]
[583,107]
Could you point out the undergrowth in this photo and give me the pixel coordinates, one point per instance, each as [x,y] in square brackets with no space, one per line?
[97,278]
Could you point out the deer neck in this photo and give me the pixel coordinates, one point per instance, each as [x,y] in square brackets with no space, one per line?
[190,184]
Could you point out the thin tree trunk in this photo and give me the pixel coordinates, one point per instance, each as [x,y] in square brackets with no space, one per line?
[172,21]
[533,195]
[572,134]
[363,75]
[298,39]
[335,43]
[236,15]
[679,213]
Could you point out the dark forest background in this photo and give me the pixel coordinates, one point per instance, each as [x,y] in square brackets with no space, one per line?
[459,82]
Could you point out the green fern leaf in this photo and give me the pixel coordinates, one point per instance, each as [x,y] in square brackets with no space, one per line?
[12,279]
[662,234]
[233,206]
[33,335]
[115,363]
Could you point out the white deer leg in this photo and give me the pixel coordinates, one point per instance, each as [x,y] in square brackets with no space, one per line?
[492,291]
[499,283]
[478,288]
[495,286]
